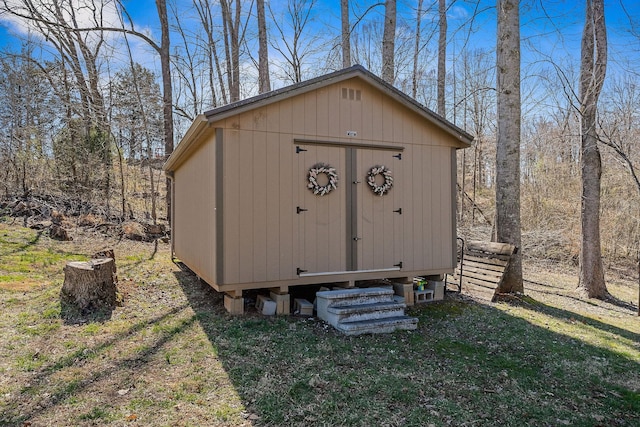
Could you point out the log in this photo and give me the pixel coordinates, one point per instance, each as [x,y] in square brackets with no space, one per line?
[90,284]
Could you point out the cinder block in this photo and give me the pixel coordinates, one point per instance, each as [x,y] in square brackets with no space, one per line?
[266,305]
[283,303]
[423,296]
[302,307]
[405,290]
[438,289]
[234,305]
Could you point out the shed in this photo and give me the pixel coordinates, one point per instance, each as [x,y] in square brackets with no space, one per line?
[338,179]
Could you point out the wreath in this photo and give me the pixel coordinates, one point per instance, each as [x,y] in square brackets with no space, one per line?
[388,179]
[320,169]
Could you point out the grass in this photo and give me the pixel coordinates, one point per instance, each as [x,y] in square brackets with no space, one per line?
[170,355]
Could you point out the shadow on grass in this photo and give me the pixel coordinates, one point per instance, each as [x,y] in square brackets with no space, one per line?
[16,412]
[467,364]
[72,315]
[570,316]
[22,248]
[625,307]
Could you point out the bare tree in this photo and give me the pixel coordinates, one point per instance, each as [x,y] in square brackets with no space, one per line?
[187,66]
[263,50]
[416,50]
[26,108]
[204,9]
[442,54]
[389,41]
[507,222]
[292,41]
[79,53]
[593,66]
[345,34]
[233,38]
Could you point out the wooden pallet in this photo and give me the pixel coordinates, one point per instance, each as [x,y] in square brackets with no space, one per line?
[482,267]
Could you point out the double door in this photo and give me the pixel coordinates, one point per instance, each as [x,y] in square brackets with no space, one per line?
[352,225]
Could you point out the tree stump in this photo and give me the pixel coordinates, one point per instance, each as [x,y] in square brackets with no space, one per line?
[90,284]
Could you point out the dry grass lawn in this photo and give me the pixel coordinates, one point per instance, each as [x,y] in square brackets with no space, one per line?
[171,356]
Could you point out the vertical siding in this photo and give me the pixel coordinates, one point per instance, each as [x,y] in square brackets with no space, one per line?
[194,230]
[322,228]
[322,112]
[379,246]
[264,181]
[262,185]
[231,206]
[286,197]
[274,234]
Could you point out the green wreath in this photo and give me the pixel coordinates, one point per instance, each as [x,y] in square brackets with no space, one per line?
[320,169]
[380,190]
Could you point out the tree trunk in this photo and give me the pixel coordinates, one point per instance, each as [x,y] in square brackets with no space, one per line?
[507,224]
[442,55]
[592,73]
[389,42]
[231,30]
[91,284]
[416,50]
[263,53]
[167,92]
[346,34]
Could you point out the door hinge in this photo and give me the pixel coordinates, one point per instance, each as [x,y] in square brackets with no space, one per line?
[398,264]
[398,211]
[299,271]
[299,209]
[398,156]
[355,239]
[299,149]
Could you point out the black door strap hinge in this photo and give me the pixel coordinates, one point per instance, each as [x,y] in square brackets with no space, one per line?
[299,209]
[299,271]
[299,149]
[398,264]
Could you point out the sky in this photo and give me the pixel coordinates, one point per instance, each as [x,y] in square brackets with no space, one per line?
[547,25]
[550,29]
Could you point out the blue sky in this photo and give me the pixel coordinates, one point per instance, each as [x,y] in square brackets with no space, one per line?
[549,23]
[551,27]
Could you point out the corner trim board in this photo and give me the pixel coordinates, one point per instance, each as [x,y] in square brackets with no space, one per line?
[219,213]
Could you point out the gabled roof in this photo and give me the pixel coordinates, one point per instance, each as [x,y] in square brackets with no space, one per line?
[335,77]
[201,122]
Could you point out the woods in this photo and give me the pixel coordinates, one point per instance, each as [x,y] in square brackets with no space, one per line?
[94,95]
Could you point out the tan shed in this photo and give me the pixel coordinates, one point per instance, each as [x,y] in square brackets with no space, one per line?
[337,179]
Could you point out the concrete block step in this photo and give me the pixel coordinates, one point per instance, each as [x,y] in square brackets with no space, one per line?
[376,310]
[378,326]
[341,297]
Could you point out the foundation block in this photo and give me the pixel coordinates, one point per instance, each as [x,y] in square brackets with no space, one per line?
[423,296]
[283,302]
[405,290]
[234,305]
[266,305]
[302,307]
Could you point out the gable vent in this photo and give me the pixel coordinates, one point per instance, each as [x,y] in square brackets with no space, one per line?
[351,94]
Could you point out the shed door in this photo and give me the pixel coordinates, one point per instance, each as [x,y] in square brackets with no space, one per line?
[378,217]
[350,227]
[322,218]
